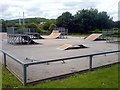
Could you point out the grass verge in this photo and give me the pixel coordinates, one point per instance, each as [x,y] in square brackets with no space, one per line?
[100,78]
[0,76]
[77,35]
[85,35]
[117,42]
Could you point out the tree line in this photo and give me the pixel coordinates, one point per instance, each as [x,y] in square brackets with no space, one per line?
[84,21]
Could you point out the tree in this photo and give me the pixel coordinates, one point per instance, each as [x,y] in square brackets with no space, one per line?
[52,26]
[104,21]
[17,25]
[46,25]
[117,24]
[4,26]
[87,20]
[65,20]
[35,26]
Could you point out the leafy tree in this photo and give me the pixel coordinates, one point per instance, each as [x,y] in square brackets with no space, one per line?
[10,24]
[33,25]
[31,20]
[104,21]
[95,31]
[4,26]
[65,20]
[52,26]
[17,25]
[85,20]
[46,25]
[117,24]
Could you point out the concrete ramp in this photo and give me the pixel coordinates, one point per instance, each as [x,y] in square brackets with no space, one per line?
[93,36]
[71,46]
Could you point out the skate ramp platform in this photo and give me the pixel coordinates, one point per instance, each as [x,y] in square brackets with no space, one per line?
[37,36]
[28,40]
[53,36]
[71,46]
[93,37]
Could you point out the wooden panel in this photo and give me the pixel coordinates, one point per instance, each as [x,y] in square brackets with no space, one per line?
[53,35]
[65,46]
[68,46]
[93,36]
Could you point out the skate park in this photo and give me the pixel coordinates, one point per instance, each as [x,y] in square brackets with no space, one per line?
[49,49]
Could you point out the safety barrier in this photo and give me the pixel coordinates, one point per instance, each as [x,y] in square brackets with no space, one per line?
[25,65]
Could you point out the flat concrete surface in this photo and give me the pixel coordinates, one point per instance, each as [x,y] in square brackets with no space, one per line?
[47,50]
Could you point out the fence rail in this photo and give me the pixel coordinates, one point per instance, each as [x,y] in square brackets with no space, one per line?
[25,65]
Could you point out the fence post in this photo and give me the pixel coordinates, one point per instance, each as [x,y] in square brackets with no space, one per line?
[24,75]
[90,63]
[4,60]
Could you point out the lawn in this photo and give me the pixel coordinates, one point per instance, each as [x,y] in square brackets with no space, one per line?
[84,35]
[0,76]
[117,42]
[99,78]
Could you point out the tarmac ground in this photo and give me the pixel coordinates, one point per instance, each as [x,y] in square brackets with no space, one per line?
[47,49]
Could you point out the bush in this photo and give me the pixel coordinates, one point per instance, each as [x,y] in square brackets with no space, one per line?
[34,25]
[52,26]
[95,31]
[117,32]
[20,30]
[17,25]
[115,28]
[46,25]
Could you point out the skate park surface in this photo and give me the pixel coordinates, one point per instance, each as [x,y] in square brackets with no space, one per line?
[47,50]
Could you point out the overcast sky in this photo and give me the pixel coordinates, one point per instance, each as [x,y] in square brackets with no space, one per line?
[51,9]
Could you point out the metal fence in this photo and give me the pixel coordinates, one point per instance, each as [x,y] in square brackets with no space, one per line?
[25,65]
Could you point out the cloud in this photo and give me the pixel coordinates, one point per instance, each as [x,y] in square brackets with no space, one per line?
[75,6]
[51,9]
[119,11]
[81,4]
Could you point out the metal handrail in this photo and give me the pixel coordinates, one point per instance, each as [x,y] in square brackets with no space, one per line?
[63,59]
[17,60]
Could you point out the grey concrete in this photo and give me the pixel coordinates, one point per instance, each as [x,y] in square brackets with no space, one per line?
[47,50]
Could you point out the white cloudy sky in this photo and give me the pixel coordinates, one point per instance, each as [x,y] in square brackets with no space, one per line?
[51,9]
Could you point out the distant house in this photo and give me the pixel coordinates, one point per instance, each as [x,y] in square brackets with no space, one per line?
[41,23]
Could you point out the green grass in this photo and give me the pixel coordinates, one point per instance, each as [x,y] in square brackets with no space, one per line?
[110,36]
[0,76]
[45,34]
[117,42]
[100,78]
[85,35]
[77,35]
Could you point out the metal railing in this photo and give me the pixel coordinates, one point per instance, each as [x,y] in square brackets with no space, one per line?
[25,65]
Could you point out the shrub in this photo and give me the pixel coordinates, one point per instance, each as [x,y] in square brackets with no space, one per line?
[117,32]
[95,31]
[52,26]
[34,25]
[17,25]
